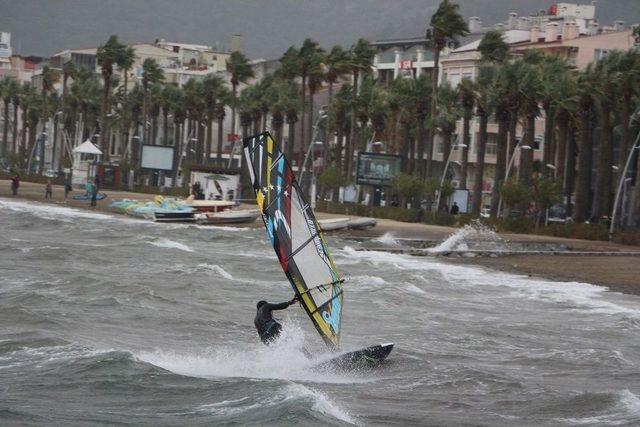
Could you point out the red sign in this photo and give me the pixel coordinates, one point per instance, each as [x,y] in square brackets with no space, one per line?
[230,137]
[406,65]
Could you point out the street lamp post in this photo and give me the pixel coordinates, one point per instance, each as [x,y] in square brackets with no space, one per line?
[444,172]
[636,145]
[509,166]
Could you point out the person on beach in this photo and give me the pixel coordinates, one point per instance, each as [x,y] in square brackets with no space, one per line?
[268,328]
[94,193]
[67,186]
[455,209]
[48,192]
[15,184]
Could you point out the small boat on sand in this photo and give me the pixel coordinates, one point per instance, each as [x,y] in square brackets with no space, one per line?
[209,205]
[362,223]
[333,224]
[242,216]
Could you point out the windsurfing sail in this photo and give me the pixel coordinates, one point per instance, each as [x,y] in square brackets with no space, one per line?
[296,236]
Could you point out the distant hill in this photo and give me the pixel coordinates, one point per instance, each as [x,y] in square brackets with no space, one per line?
[42,27]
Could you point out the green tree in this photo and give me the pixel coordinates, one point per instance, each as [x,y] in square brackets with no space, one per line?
[212,88]
[5,94]
[545,193]
[446,27]
[240,72]
[107,57]
[515,193]
[493,48]
[468,101]
[410,187]
[151,74]
[360,62]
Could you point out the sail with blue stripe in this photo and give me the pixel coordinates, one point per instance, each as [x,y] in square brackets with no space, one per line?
[296,236]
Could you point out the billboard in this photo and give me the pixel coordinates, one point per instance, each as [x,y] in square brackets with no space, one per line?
[377,169]
[157,157]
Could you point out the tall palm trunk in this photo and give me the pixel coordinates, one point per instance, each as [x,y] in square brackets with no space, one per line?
[583,190]
[310,124]
[434,107]
[220,137]
[562,149]
[207,155]
[291,138]
[548,152]
[5,130]
[420,137]
[513,137]
[303,110]
[337,158]
[482,144]
[570,169]
[501,161]
[177,152]
[625,131]
[602,194]
[526,154]
[466,140]
[104,127]
[352,131]
[14,138]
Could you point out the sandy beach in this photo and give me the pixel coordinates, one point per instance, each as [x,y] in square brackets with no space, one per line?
[619,273]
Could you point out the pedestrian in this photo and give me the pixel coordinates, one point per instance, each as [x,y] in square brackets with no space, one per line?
[15,184]
[89,190]
[96,183]
[455,209]
[67,186]
[94,194]
[48,192]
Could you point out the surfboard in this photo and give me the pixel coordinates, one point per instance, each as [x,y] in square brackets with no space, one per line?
[87,196]
[298,242]
[365,358]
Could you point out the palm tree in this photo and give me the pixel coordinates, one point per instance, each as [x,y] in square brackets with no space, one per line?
[336,65]
[5,94]
[468,101]
[15,90]
[107,56]
[338,113]
[360,62]
[309,59]
[151,74]
[240,72]
[212,86]
[68,71]
[446,27]
[125,64]
[530,96]
[449,112]
[223,100]
[422,89]
[552,71]
[177,103]
[605,99]
[493,48]
[484,107]
[587,86]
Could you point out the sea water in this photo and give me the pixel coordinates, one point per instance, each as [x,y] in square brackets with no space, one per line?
[105,319]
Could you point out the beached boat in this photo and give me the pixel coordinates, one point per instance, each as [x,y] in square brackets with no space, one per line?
[362,223]
[209,205]
[333,224]
[242,216]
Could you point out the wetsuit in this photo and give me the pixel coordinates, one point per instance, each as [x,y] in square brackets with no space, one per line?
[268,328]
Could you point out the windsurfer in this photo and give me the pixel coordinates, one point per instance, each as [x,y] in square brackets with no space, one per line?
[268,328]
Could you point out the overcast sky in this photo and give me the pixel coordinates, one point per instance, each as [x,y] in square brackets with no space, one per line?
[42,27]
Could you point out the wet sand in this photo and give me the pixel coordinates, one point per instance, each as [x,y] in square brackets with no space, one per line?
[619,273]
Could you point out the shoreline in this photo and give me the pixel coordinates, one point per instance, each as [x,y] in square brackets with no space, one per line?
[618,273]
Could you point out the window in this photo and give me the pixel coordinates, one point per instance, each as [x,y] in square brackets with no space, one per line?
[454,79]
[600,53]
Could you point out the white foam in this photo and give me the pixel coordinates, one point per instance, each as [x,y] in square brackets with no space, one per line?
[414,289]
[387,239]
[283,360]
[625,412]
[474,232]
[171,244]
[217,269]
[49,211]
[576,295]
[320,402]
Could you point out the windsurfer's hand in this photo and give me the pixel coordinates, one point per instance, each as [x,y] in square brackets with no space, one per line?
[294,300]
